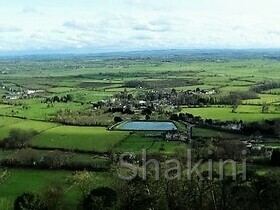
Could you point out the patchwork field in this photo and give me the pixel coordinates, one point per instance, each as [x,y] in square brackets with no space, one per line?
[78,95]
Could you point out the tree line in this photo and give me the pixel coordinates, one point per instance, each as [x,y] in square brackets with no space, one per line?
[258,192]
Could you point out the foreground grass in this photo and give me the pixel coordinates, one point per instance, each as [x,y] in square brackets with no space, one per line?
[38,180]
[34,181]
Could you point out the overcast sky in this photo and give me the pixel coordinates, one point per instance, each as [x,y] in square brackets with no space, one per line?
[123,25]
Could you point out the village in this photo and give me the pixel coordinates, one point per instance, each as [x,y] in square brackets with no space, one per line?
[19,93]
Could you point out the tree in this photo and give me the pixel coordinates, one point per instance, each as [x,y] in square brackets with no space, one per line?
[147,111]
[232,148]
[69,97]
[117,119]
[174,117]
[174,92]
[275,157]
[55,160]
[27,156]
[147,117]
[83,180]
[56,99]
[100,198]
[52,196]
[234,108]
[28,201]
[265,108]
[18,138]
[136,194]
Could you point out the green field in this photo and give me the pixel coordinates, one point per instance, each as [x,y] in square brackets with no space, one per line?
[25,125]
[273,91]
[37,180]
[210,133]
[83,138]
[5,121]
[37,110]
[60,89]
[244,112]
[264,98]
[136,143]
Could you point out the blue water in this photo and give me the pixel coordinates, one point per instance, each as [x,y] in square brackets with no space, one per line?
[147,126]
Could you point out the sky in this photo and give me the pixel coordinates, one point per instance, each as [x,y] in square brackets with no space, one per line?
[126,25]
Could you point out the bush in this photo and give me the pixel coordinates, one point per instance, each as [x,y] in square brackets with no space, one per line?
[174,117]
[18,138]
[100,198]
[29,201]
[275,157]
[117,119]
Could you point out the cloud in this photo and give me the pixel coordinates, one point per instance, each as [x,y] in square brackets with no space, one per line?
[7,29]
[134,24]
[79,25]
[142,37]
[28,9]
[57,31]
[275,33]
[153,26]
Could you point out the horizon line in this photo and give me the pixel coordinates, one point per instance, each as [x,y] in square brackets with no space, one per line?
[71,53]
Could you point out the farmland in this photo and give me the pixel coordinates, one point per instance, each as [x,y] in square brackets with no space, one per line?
[63,106]
[83,138]
[243,112]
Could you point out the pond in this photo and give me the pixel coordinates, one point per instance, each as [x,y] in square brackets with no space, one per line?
[147,126]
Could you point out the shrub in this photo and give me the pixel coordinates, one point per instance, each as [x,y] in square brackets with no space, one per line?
[18,138]
[100,198]
[29,201]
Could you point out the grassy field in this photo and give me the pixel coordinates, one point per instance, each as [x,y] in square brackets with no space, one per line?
[83,138]
[227,89]
[273,91]
[273,145]
[137,142]
[38,180]
[68,157]
[264,98]
[34,109]
[5,121]
[24,125]
[209,133]
[60,90]
[245,113]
